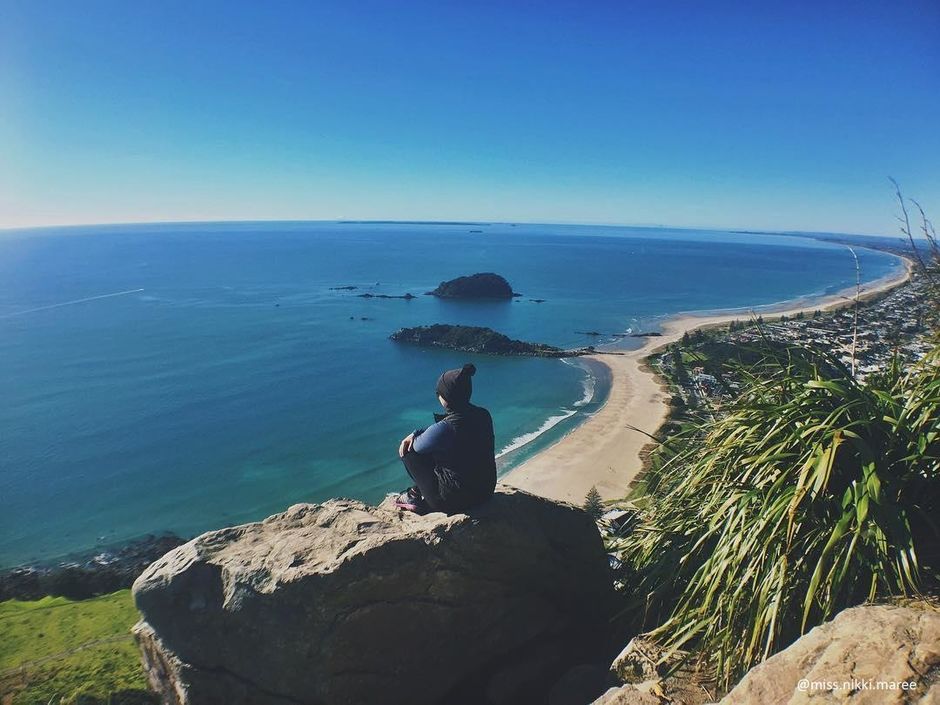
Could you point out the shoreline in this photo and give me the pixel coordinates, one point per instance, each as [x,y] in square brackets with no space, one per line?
[605,450]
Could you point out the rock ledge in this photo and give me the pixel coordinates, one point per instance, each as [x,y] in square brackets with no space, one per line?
[342,603]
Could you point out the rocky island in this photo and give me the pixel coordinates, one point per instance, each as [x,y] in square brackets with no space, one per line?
[477,339]
[483,285]
[597,334]
[407,297]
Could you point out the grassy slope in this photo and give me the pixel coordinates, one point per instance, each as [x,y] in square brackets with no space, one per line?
[58,648]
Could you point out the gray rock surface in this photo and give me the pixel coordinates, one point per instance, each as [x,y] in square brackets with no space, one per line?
[631,694]
[342,603]
[647,670]
[851,654]
[637,662]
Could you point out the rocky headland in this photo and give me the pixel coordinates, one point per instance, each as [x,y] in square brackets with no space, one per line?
[86,576]
[477,339]
[483,285]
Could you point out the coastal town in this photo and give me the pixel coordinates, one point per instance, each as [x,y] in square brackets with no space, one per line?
[702,367]
[893,326]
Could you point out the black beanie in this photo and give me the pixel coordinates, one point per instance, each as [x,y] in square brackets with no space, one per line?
[455,385]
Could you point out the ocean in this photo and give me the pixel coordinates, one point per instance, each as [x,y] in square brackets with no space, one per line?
[184,377]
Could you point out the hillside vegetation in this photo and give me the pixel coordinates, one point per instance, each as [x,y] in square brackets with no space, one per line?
[814,492]
[810,492]
[56,649]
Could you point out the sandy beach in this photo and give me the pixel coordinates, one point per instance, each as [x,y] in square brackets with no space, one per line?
[604,450]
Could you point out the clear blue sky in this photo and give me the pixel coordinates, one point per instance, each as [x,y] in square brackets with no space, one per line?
[782,115]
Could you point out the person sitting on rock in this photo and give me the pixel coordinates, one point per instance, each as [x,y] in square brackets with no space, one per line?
[453,462]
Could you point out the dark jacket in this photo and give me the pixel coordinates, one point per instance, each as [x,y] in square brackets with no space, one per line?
[463,447]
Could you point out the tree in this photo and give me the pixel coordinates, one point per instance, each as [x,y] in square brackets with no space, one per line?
[593,504]
[682,376]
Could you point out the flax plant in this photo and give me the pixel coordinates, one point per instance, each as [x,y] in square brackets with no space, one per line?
[813,492]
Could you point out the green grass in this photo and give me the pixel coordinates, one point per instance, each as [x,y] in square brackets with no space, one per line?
[56,649]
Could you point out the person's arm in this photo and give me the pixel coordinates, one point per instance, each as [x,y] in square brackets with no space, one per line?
[405,446]
[434,439]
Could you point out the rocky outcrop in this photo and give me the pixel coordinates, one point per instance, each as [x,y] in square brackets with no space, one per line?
[647,693]
[843,661]
[477,339]
[106,570]
[640,661]
[653,675]
[864,656]
[406,297]
[343,603]
[484,285]
[597,334]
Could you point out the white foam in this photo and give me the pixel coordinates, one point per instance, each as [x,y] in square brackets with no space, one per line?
[588,384]
[525,438]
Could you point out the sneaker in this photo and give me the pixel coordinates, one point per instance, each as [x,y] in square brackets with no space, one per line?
[411,501]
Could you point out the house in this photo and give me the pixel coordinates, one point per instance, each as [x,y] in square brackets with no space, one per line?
[620,521]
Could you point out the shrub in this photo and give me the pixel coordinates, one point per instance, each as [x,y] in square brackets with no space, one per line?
[815,492]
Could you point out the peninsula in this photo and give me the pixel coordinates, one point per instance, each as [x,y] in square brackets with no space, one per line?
[477,339]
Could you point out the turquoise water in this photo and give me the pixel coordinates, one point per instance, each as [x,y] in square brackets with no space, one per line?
[184,377]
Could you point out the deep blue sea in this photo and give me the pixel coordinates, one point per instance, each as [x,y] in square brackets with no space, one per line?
[186,377]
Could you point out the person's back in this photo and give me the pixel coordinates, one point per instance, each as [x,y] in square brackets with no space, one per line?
[467,470]
[453,462]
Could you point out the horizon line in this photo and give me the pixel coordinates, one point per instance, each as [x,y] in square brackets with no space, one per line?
[409,221]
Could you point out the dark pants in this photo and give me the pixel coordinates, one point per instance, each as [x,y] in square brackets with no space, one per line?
[421,469]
